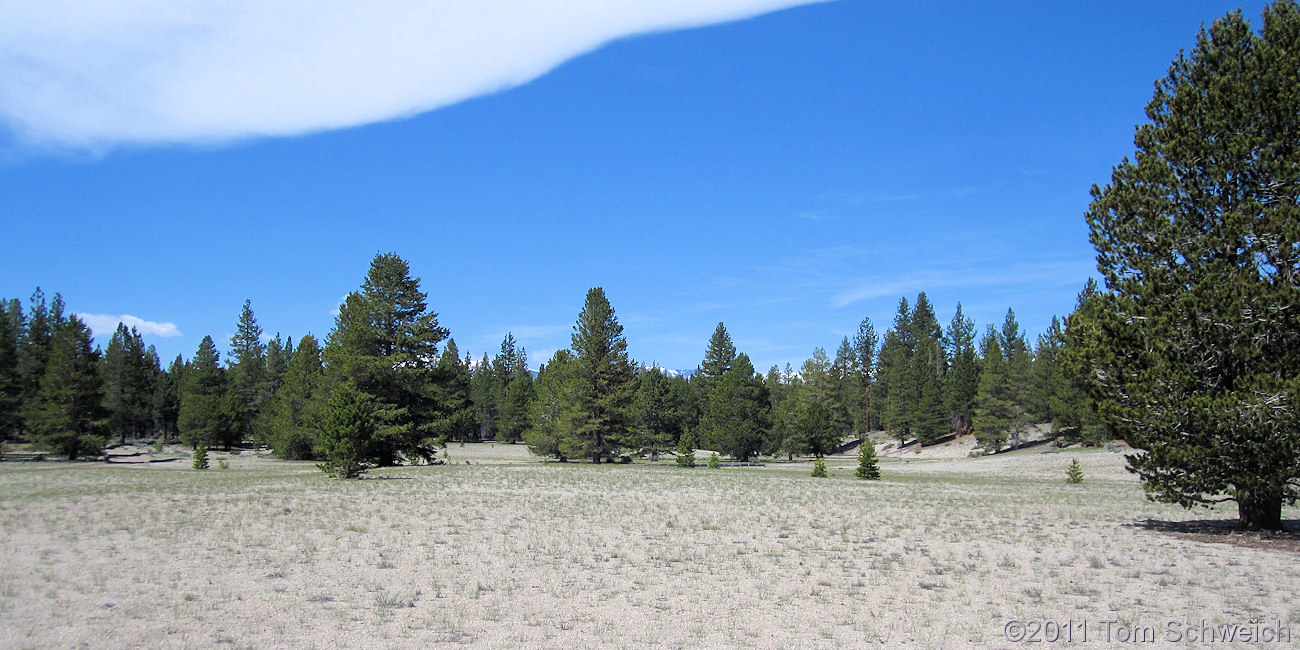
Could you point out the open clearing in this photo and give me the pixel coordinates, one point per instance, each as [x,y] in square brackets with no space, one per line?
[507,552]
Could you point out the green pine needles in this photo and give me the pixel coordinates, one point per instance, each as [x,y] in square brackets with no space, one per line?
[1074,473]
[868,467]
[201,457]
[819,468]
[715,462]
[685,454]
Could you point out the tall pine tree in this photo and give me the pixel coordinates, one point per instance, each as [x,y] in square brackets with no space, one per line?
[600,417]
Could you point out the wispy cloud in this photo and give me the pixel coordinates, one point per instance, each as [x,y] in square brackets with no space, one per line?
[895,284]
[105,324]
[93,75]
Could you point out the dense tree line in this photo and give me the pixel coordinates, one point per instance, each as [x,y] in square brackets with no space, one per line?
[388,368]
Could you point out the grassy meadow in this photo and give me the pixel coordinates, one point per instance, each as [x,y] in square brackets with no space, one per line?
[500,550]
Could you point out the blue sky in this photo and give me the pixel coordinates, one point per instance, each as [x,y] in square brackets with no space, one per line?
[787,173]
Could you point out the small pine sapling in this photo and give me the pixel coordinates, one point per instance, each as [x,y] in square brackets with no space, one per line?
[819,468]
[714,461]
[1074,473]
[201,457]
[685,454]
[868,467]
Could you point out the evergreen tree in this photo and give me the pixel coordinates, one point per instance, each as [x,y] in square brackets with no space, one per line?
[1194,352]
[993,405]
[556,387]
[864,347]
[279,352]
[66,415]
[1015,350]
[514,390]
[600,418]
[483,395]
[290,417]
[819,467]
[347,432]
[660,409]
[167,398]
[719,357]
[737,417]
[1074,472]
[35,341]
[685,451]
[206,416]
[1074,412]
[961,384]
[715,462]
[868,466]
[454,389]
[11,384]
[385,342]
[892,375]
[247,379]
[926,372]
[128,380]
[199,459]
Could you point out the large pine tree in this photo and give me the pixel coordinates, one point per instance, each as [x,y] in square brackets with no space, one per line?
[207,415]
[737,418]
[66,414]
[248,380]
[1194,350]
[600,417]
[385,341]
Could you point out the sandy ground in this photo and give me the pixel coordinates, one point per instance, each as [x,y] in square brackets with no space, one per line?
[499,550]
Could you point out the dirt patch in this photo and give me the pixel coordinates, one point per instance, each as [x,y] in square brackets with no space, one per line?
[1225,531]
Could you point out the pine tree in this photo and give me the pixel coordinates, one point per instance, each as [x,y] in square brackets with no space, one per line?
[35,341]
[1194,352]
[128,380]
[385,342]
[868,466]
[961,384]
[1019,368]
[199,459]
[660,412]
[167,398]
[453,393]
[347,432]
[864,347]
[205,416]
[737,418]
[925,374]
[1074,412]
[513,390]
[819,467]
[66,413]
[11,384]
[993,406]
[291,415]
[895,407]
[556,385]
[600,417]
[1074,473]
[685,451]
[247,377]
[483,396]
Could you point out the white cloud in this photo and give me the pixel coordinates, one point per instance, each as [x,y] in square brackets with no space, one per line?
[91,75]
[105,325]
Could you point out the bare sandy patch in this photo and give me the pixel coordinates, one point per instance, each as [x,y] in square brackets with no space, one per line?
[508,552]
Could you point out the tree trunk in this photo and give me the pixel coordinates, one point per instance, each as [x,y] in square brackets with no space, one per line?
[1259,509]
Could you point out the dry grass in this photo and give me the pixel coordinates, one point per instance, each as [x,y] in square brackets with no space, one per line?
[506,551]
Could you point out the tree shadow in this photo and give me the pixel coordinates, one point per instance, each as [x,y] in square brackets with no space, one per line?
[1225,531]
